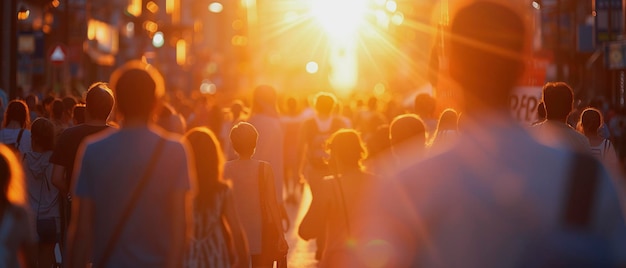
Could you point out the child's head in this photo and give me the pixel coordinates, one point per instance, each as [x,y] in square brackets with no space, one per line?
[243,137]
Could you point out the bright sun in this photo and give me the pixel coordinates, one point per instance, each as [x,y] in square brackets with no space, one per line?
[339,18]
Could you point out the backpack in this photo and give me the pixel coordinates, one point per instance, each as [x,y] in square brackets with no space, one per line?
[316,152]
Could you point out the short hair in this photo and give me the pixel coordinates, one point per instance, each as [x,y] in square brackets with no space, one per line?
[487,38]
[137,87]
[424,105]
[591,120]
[79,114]
[325,102]
[57,109]
[558,99]
[243,137]
[42,133]
[405,127]
[347,146]
[99,101]
[448,120]
[69,103]
[17,111]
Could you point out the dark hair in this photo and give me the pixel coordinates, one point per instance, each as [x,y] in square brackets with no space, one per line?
[243,137]
[137,86]
[57,110]
[424,105]
[590,121]
[99,101]
[405,127]
[558,99]
[347,146]
[17,111]
[448,120]
[42,133]
[541,111]
[68,104]
[209,161]
[324,103]
[79,114]
[487,38]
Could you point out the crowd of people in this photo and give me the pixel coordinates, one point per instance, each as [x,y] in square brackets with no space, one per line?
[129,177]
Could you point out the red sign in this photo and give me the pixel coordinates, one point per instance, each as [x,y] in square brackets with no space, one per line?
[58,55]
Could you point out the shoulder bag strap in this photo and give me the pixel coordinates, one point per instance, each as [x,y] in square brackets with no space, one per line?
[343,202]
[117,231]
[262,194]
[19,138]
[580,192]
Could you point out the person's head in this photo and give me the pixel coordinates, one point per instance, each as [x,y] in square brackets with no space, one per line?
[31,101]
[448,120]
[346,149]
[42,134]
[17,111]
[590,121]
[325,103]
[236,108]
[291,105]
[243,137]
[372,103]
[209,162]
[12,187]
[424,105]
[264,100]
[138,88]
[99,101]
[57,110]
[486,51]
[407,127]
[79,114]
[47,104]
[68,106]
[558,99]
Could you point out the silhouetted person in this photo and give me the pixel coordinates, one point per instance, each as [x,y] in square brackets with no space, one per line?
[18,241]
[590,123]
[558,99]
[44,198]
[218,239]
[139,160]
[447,131]
[497,198]
[255,196]
[331,213]
[15,127]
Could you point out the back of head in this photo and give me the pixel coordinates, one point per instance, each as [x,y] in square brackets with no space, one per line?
[590,121]
[324,103]
[99,101]
[558,99]
[424,105]
[486,49]
[42,133]
[17,111]
[406,127]
[57,109]
[79,114]
[68,104]
[448,120]
[243,137]
[208,158]
[346,146]
[137,87]
[31,101]
[372,103]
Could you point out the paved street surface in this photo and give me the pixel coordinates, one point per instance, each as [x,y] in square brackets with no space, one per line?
[301,253]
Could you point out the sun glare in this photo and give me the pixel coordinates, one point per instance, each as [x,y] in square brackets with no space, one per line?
[339,17]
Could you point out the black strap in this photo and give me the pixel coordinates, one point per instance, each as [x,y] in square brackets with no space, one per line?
[343,201]
[117,231]
[580,192]
[19,138]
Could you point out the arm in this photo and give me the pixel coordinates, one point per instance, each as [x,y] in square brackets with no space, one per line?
[58,178]
[182,219]
[239,237]
[80,234]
